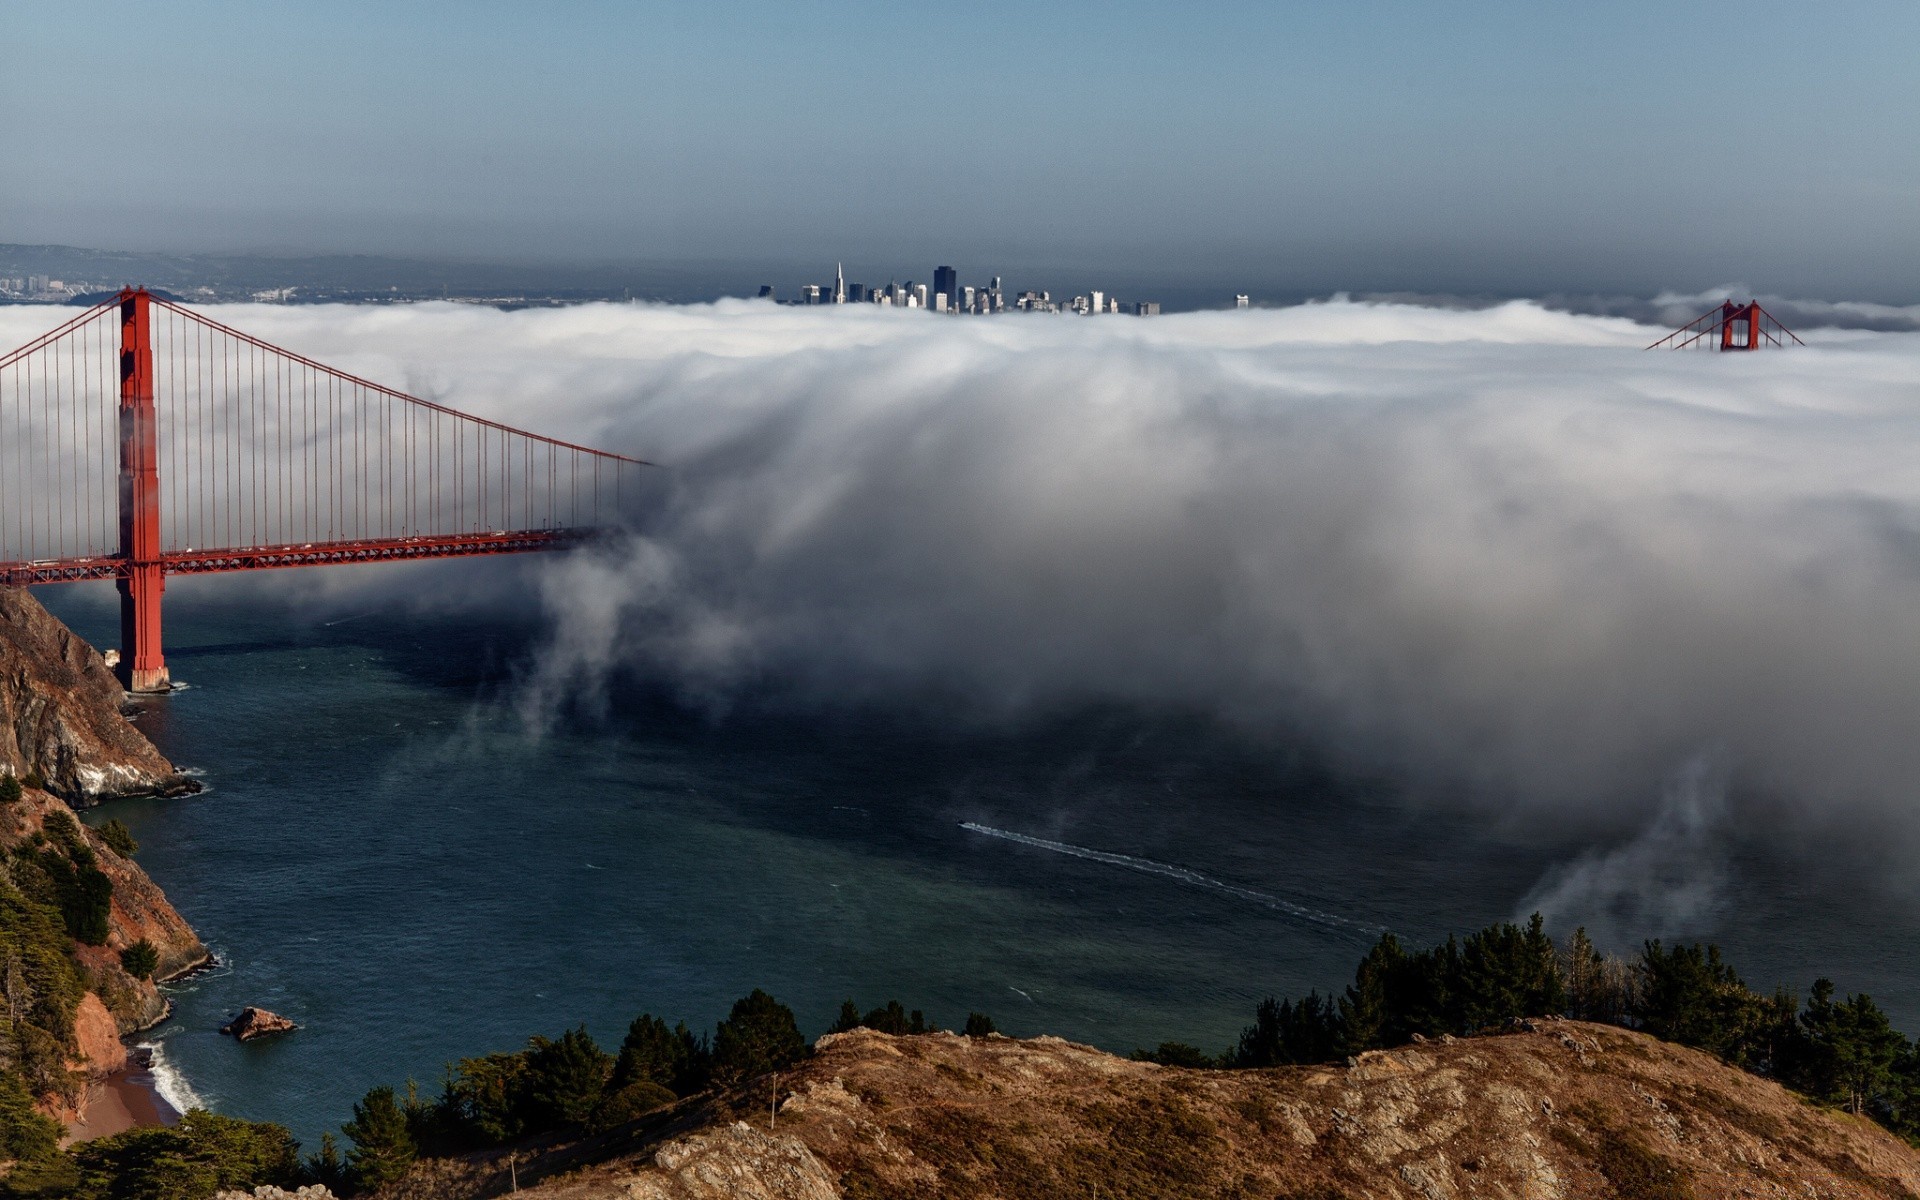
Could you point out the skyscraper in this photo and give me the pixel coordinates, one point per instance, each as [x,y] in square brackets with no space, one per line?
[839,283]
[946,283]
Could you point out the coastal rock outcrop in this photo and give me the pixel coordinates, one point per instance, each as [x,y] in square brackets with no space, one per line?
[138,912]
[1565,1111]
[256,1023]
[60,714]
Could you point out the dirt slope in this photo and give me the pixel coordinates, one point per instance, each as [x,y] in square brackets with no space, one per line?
[1565,1110]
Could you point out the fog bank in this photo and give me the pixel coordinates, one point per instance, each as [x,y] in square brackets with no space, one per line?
[1500,554]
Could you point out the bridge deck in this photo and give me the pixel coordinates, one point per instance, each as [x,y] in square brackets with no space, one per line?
[304,554]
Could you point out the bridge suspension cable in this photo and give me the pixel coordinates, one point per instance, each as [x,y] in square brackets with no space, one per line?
[142,438]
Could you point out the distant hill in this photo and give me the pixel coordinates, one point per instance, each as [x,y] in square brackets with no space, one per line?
[363,278]
[89,299]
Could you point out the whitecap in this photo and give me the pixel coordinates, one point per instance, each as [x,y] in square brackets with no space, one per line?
[168,1081]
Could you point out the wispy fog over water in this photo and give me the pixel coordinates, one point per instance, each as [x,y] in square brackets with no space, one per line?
[1414,616]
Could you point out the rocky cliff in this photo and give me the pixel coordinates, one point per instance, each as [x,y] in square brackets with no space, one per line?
[115,1002]
[77,904]
[1562,1110]
[60,714]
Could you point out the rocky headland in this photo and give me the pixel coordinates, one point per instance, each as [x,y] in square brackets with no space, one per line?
[90,935]
[61,714]
[1562,1110]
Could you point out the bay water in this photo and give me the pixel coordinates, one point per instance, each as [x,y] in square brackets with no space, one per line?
[386,853]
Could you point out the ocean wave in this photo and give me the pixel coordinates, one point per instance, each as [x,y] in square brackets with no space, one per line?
[1148,866]
[168,1081]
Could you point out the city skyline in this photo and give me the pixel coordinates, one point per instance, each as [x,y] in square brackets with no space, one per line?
[1484,147]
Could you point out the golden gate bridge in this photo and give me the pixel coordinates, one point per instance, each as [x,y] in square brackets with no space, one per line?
[142,439]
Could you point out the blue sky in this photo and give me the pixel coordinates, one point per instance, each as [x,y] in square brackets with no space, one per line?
[1445,146]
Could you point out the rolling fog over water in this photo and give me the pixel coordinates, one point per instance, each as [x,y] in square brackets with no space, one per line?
[1255,629]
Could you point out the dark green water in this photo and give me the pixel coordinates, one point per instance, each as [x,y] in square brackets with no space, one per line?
[385,855]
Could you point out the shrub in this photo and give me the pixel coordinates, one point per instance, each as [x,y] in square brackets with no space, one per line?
[630,1103]
[118,838]
[140,959]
[1175,1054]
[979,1025]
[34,779]
[10,790]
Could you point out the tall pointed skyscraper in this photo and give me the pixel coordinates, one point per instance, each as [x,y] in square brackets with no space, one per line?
[839,283]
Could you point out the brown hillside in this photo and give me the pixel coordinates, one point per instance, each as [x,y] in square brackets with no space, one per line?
[1563,1109]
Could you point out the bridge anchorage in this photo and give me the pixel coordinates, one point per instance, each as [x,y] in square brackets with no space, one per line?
[175,445]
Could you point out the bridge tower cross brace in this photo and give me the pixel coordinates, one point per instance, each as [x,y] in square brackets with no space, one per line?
[142,668]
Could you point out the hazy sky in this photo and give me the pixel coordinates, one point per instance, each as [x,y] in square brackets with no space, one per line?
[1369,144]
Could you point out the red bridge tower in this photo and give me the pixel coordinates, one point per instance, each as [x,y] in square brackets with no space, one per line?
[142,669]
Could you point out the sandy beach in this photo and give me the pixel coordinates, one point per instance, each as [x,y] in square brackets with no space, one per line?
[124,1100]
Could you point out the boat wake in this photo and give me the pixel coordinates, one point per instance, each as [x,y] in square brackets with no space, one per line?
[1147,866]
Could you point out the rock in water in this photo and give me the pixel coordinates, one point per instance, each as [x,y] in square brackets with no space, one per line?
[256,1022]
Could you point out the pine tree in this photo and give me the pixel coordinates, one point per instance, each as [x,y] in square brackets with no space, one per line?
[650,1053]
[1852,1051]
[849,1018]
[758,1036]
[325,1167]
[565,1079]
[1365,1011]
[383,1149]
[1283,1032]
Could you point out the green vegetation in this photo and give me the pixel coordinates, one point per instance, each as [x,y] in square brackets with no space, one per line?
[670,1059]
[118,838]
[58,868]
[382,1137]
[565,1079]
[758,1036]
[892,1017]
[203,1154]
[140,960]
[563,1084]
[52,895]
[1840,1052]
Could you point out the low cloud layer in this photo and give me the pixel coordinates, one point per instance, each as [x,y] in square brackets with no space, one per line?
[1501,553]
[1668,878]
